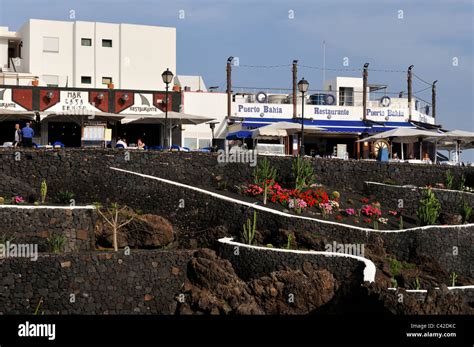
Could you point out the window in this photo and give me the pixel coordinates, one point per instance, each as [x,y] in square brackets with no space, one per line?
[106,43]
[86,42]
[203,143]
[106,80]
[190,142]
[346,96]
[51,44]
[51,80]
[86,79]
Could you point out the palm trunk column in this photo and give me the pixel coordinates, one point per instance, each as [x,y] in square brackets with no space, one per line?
[167,78]
[303,88]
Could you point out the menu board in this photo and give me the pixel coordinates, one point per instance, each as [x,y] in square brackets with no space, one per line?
[94,133]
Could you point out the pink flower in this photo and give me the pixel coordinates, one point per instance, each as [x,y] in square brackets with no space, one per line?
[18,200]
[393,213]
[350,211]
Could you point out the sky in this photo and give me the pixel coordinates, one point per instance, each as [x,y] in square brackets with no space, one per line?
[436,36]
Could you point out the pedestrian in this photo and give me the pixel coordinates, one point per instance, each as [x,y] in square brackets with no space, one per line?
[28,134]
[18,136]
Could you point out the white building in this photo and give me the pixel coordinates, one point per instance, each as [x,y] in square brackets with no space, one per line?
[87,54]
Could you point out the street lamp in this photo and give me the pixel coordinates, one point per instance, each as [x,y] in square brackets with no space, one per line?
[303,88]
[167,78]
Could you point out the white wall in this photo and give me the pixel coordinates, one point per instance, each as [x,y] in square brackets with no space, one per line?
[206,104]
[136,60]
[48,63]
[107,58]
[146,51]
[3,53]
[84,56]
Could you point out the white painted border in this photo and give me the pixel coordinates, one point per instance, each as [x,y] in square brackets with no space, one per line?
[276,212]
[437,288]
[407,186]
[47,207]
[369,270]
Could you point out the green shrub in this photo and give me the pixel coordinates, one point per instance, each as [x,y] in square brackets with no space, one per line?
[56,242]
[264,172]
[466,212]
[449,180]
[303,173]
[429,208]
[64,197]
[44,191]
[249,230]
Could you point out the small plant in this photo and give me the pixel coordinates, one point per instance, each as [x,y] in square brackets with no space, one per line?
[449,179]
[350,202]
[462,183]
[303,173]
[6,238]
[429,208]
[115,217]
[65,197]
[56,242]
[44,191]
[394,282]
[269,245]
[466,212]
[336,195]
[2,200]
[288,242]
[40,302]
[416,284]
[395,267]
[453,278]
[376,224]
[400,222]
[249,229]
[264,172]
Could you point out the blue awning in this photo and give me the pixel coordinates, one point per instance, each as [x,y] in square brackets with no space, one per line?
[332,126]
[241,134]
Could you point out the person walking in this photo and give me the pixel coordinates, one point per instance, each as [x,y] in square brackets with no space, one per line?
[28,134]
[18,136]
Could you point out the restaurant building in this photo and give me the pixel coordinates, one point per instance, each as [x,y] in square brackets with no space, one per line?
[83,83]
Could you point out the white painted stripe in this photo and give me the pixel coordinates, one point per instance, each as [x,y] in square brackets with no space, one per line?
[437,288]
[48,207]
[369,270]
[276,212]
[415,187]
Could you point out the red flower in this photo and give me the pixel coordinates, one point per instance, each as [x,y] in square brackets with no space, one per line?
[364,200]
[367,220]
[339,217]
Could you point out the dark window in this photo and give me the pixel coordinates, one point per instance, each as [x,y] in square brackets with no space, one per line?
[86,79]
[106,43]
[86,42]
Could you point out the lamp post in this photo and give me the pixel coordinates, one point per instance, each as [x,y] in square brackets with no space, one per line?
[303,88]
[167,78]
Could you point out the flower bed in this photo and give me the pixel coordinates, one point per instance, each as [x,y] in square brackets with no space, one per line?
[349,207]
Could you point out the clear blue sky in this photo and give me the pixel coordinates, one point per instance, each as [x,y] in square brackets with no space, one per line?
[431,34]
